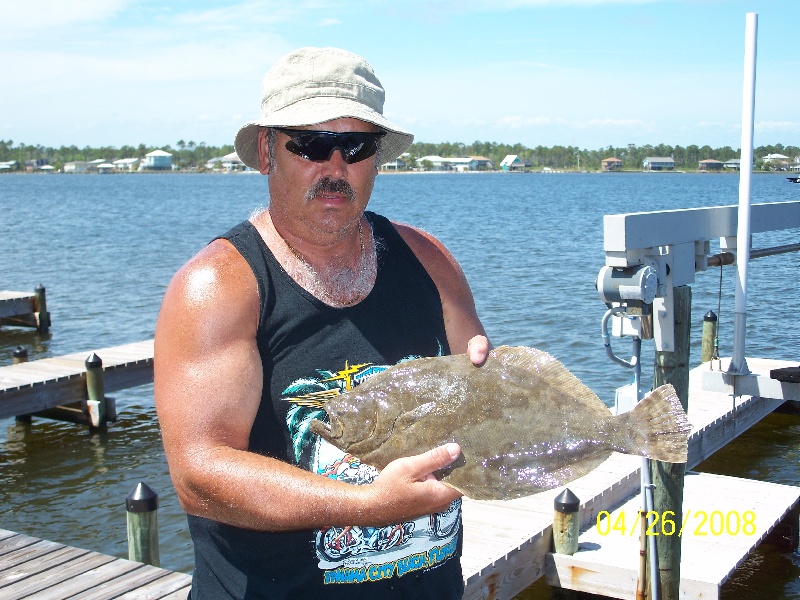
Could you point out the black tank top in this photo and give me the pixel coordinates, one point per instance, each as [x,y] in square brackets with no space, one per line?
[310,352]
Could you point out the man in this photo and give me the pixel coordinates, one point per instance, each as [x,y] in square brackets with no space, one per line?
[300,303]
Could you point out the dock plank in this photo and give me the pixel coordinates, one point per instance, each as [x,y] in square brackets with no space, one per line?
[52,577]
[38,569]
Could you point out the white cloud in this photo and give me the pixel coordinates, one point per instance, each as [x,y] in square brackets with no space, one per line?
[20,19]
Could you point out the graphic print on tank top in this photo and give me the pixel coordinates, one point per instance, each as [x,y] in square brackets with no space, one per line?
[357,554]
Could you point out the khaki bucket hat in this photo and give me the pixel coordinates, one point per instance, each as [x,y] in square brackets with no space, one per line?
[313,85]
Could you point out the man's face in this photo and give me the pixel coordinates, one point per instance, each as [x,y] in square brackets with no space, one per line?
[314,199]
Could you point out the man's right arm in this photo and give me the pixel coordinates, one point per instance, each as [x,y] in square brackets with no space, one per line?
[208,384]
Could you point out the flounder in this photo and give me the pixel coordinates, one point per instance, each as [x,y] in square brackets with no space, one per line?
[525,424]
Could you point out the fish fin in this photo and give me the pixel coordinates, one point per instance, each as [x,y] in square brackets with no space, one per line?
[549,369]
[657,427]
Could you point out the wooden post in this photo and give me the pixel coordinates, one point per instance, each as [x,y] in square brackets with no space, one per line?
[671,367]
[20,356]
[709,336]
[142,507]
[96,390]
[566,530]
[43,321]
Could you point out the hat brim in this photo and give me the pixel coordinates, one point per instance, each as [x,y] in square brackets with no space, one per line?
[318,110]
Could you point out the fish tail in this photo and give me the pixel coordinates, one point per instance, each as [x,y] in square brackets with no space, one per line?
[657,427]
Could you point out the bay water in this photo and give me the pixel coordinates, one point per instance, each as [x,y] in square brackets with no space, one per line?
[531,245]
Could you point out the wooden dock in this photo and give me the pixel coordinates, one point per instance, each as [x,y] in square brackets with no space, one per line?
[38,385]
[724,518]
[507,544]
[25,310]
[36,569]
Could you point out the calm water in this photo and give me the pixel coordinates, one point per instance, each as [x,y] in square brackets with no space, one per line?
[530,244]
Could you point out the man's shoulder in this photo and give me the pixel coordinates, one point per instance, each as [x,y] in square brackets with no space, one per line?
[218,272]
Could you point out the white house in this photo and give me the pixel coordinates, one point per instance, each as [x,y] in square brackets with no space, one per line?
[232,162]
[157,160]
[734,163]
[398,164]
[125,164]
[512,162]
[463,164]
[437,162]
[76,166]
[777,158]
[658,163]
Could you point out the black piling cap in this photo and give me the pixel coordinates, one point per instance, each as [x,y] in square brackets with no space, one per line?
[141,499]
[710,316]
[567,502]
[20,352]
[93,361]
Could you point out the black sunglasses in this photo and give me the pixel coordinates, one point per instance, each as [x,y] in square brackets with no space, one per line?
[320,145]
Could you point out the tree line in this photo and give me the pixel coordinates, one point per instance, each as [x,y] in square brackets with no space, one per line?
[572,157]
[191,155]
[186,155]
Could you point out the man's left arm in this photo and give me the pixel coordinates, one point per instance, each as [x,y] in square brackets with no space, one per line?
[465,333]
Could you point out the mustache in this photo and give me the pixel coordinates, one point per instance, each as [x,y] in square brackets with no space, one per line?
[328,184]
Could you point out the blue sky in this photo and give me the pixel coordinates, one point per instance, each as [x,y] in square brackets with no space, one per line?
[587,73]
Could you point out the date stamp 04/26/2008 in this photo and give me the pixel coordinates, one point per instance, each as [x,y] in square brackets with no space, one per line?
[698,523]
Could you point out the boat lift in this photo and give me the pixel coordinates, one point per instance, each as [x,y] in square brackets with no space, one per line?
[649,255]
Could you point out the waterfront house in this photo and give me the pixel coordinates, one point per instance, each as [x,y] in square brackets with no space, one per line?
[774,158]
[157,160]
[733,164]
[125,164]
[76,166]
[512,162]
[612,163]
[463,164]
[434,163]
[658,163]
[482,163]
[34,164]
[9,165]
[776,162]
[709,164]
[398,164]
[229,162]
[232,162]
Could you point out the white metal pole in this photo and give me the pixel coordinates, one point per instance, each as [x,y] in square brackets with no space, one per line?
[738,363]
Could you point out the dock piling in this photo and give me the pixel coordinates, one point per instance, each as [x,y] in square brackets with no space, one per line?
[40,305]
[671,367]
[100,408]
[566,530]
[21,356]
[142,508]
[709,336]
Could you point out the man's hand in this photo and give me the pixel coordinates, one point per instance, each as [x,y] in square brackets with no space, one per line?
[407,487]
